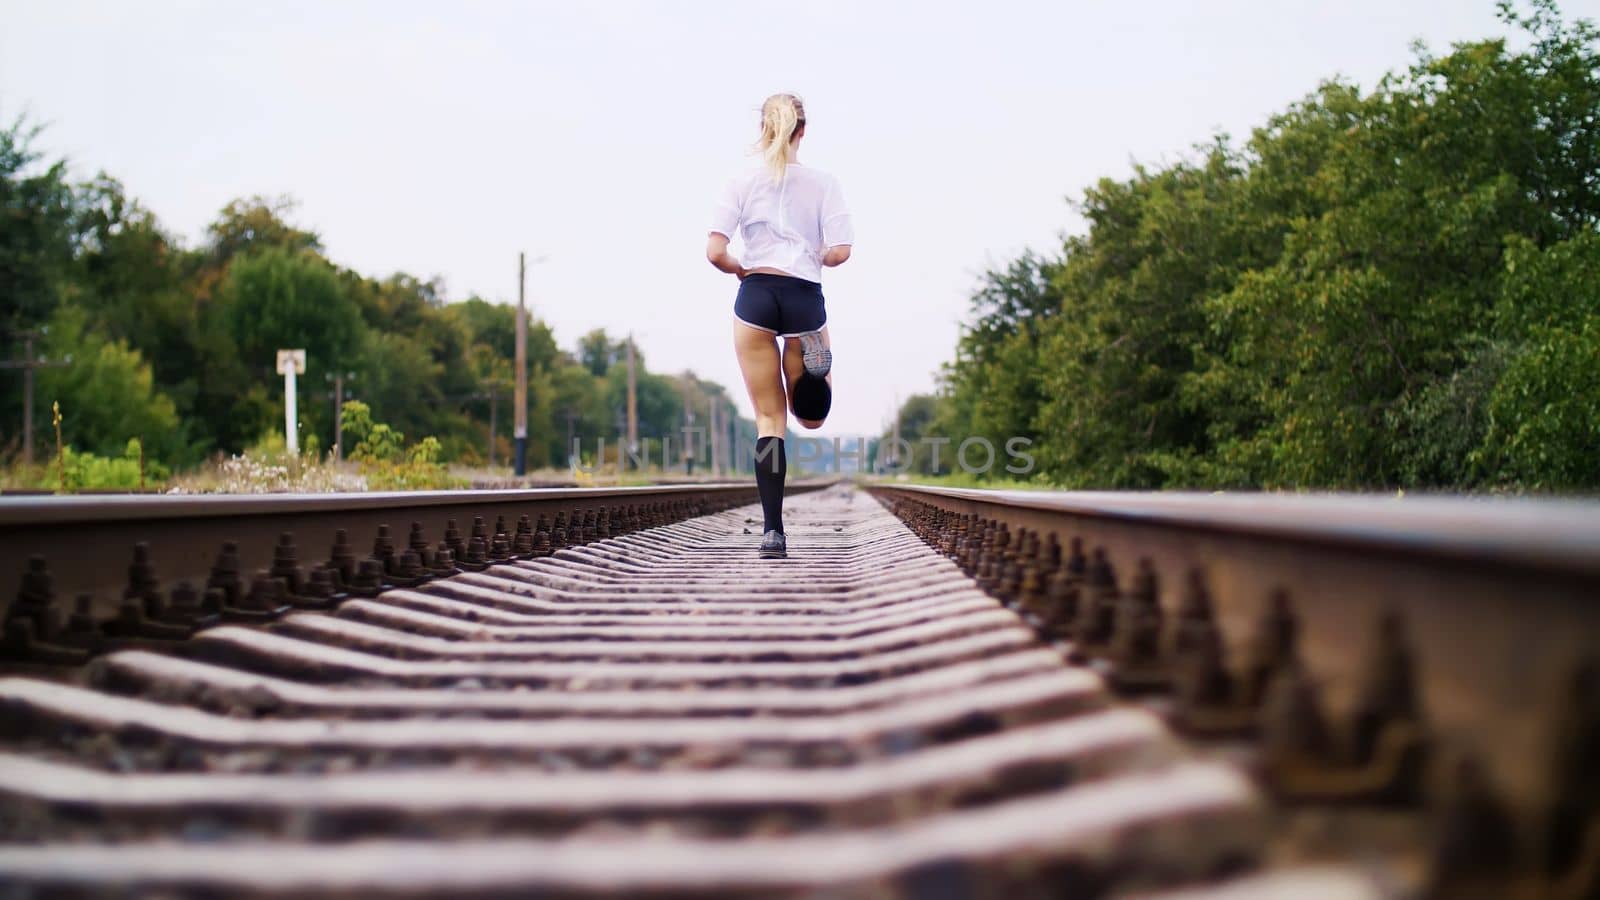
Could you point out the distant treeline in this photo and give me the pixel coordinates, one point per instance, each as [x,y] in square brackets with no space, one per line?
[176,345]
[1391,288]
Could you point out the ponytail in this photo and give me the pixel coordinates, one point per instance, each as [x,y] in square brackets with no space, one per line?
[782,115]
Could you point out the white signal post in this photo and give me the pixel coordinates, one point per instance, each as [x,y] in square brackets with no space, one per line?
[290,364]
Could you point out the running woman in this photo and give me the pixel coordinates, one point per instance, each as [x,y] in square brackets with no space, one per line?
[793,222]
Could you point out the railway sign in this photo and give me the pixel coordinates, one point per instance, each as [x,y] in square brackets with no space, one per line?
[295,358]
[290,364]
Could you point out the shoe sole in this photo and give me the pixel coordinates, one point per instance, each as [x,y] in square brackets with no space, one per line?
[817,357]
[773,554]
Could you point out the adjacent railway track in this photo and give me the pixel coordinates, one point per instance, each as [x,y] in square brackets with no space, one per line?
[942,693]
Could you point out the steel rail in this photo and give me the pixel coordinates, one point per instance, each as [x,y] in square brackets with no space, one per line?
[88,541]
[1471,625]
[1546,537]
[939,693]
[658,710]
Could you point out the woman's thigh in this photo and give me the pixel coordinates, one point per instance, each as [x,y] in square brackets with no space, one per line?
[763,378]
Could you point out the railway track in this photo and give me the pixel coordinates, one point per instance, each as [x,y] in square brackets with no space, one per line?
[940,694]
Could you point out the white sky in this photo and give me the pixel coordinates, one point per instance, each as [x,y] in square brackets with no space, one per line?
[441,138]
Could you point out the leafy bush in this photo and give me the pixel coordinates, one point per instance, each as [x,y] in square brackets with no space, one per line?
[80,471]
[107,392]
[386,462]
[1544,415]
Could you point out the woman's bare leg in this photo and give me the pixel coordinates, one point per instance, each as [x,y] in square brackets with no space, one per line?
[794,365]
[763,378]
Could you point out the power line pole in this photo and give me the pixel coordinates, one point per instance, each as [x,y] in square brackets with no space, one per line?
[339,379]
[520,414]
[572,456]
[633,403]
[713,433]
[494,414]
[688,426]
[894,445]
[338,417]
[27,364]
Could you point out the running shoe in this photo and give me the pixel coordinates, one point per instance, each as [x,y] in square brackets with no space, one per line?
[818,358]
[774,546]
[811,398]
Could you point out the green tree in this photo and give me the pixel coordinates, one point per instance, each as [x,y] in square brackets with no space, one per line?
[273,299]
[1379,288]
[598,352]
[492,325]
[35,228]
[133,284]
[258,223]
[919,418]
[107,393]
[280,299]
[1379,304]
[1541,424]
[992,388]
[1132,331]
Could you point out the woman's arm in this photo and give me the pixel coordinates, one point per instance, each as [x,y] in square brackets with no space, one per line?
[717,254]
[836,255]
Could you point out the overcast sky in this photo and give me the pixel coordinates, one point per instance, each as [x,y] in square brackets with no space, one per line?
[441,138]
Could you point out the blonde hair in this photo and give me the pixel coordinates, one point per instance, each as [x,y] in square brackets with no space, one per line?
[782,115]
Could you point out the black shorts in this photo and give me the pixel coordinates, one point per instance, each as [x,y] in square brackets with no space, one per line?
[780,304]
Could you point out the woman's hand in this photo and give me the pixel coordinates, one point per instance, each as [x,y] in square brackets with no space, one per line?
[836,255]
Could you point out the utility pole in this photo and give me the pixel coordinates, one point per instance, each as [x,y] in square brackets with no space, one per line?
[339,379]
[633,402]
[27,364]
[711,431]
[494,412]
[894,445]
[571,417]
[338,417]
[520,413]
[688,425]
[27,399]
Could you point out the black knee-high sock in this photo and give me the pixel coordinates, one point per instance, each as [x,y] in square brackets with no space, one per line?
[771,467]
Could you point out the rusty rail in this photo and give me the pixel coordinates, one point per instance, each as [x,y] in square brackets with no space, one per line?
[1428,654]
[89,543]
